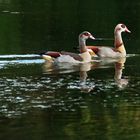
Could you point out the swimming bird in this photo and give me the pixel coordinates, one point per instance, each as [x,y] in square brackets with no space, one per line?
[84,55]
[118,50]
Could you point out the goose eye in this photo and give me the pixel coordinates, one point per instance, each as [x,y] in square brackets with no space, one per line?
[123,26]
[86,34]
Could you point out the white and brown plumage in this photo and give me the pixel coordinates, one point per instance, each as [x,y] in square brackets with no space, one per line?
[84,55]
[118,50]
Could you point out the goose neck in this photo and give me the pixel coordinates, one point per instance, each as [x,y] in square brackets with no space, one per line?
[118,39]
[82,45]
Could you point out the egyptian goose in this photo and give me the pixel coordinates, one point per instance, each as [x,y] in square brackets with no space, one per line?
[84,55]
[118,50]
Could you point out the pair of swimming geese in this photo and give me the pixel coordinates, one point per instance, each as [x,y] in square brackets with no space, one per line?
[87,52]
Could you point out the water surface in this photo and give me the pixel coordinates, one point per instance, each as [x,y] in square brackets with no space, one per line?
[69,99]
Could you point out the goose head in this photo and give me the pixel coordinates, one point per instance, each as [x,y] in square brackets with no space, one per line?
[121,28]
[85,35]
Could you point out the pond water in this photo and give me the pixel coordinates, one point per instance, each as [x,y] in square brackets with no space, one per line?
[40,100]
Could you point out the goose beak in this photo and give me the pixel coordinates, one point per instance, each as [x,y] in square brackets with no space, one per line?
[128,31]
[91,37]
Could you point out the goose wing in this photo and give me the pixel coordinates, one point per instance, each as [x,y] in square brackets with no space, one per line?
[74,55]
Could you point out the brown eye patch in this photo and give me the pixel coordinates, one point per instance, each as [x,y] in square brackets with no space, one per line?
[123,26]
[86,34]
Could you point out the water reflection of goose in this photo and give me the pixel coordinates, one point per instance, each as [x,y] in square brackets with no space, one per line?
[84,55]
[81,68]
[84,68]
[119,66]
[59,68]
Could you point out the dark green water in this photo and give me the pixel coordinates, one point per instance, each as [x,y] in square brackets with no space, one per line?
[39,101]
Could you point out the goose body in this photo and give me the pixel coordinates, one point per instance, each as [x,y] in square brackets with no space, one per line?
[84,55]
[118,50]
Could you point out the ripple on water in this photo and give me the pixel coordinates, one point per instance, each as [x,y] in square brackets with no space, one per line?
[62,92]
[24,93]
